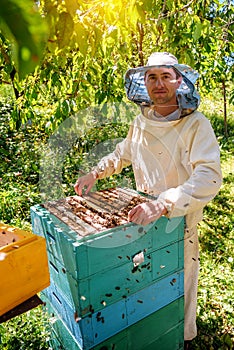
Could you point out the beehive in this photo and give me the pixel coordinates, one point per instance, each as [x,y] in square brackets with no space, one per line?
[23,266]
[101,325]
[161,330]
[108,266]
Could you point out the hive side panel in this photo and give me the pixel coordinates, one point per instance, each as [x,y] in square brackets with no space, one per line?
[161,330]
[164,329]
[76,293]
[37,220]
[116,248]
[112,319]
[24,272]
[171,340]
[155,326]
[92,329]
[108,287]
[74,257]
[60,332]
[43,226]
[155,297]
[168,259]
[166,231]
[80,330]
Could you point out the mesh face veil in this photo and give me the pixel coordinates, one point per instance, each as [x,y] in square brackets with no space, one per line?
[188,98]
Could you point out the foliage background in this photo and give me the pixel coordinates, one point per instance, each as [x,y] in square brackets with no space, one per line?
[19,190]
[88,45]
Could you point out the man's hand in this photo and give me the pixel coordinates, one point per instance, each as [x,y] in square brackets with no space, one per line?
[85,181]
[145,213]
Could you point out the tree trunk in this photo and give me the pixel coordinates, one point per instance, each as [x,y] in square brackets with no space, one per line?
[225,108]
[140,43]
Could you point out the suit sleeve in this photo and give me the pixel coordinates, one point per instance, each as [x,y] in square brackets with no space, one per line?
[206,177]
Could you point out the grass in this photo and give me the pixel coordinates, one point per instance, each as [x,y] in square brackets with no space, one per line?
[216,281]
[216,232]
[19,155]
[29,331]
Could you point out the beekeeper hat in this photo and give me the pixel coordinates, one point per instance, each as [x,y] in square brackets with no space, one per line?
[187,97]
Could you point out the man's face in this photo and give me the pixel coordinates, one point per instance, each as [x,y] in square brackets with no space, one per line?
[161,84]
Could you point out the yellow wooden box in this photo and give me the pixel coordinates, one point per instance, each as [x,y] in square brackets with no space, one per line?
[23,266]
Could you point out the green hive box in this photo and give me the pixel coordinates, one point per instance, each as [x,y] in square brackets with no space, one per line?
[99,268]
[125,276]
[80,247]
[99,326]
[104,288]
[162,330]
[95,268]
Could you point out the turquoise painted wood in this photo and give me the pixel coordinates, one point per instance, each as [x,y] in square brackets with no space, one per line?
[172,339]
[55,343]
[89,330]
[50,228]
[105,283]
[101,325]
[118,246]
[85,256]
[162,330]
[165,342]
[107,287]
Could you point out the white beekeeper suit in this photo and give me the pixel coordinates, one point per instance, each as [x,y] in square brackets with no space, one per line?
[175,158]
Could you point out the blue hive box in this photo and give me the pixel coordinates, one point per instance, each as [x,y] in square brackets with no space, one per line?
[99,326]
[104,281]
[161,330]
[100,268]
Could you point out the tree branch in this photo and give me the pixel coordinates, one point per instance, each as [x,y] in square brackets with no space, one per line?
[140,43]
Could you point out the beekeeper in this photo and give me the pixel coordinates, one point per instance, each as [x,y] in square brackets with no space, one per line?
[174,155]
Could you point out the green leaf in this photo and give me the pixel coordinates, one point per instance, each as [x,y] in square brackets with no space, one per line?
[26,29]
[198,31]
[81,37]
[65,26]
[227,340]
[65,108]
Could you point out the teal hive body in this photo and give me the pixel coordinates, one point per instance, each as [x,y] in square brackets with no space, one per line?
[96,277]
[101,325]
[161,330]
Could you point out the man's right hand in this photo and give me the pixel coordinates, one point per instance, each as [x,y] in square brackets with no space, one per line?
[87,181]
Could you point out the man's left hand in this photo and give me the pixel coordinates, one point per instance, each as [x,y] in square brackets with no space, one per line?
[145,213]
